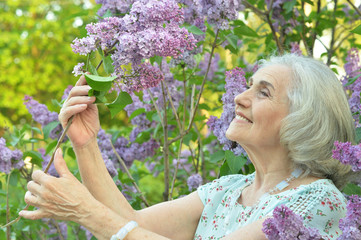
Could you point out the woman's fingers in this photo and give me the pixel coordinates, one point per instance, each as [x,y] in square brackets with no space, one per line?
[36,214]
[79,100]
[31,199]
[81,81]
[34,188]
[79,91]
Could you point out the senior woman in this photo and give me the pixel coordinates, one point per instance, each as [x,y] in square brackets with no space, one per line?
[287,121]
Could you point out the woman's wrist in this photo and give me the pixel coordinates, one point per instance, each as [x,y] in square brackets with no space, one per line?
[91,143]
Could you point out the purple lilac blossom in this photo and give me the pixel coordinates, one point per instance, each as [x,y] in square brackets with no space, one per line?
[295,48]
[42,115]
[66,92]
[150,29]
[353,69]
[88,234]
[9,159]
[78,69]
[351,223]
[46,158]
[183,161]
[286,225]
[116,7]
[235,84]
[220,12]
[194,181]
[279,20]
[348,154]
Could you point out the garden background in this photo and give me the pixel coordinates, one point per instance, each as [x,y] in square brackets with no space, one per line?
[169,151]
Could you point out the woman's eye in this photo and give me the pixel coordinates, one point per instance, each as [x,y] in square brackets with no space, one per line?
[264,93]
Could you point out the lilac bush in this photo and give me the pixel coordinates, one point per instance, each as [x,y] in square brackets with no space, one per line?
[9,159]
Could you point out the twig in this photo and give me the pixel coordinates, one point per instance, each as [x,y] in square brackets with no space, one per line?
[165,148]
[331,49]
[172,105]
[176,169]
[354,7]
[8,230]
[121,161]
[156,107]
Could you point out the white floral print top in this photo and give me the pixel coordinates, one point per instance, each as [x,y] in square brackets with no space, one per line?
[320,204]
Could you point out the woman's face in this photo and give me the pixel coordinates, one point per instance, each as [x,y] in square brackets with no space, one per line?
[260,109]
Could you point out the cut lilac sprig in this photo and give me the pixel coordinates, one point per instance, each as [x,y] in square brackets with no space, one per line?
[351,223]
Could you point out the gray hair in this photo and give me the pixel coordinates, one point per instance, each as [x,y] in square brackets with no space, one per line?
[319,115]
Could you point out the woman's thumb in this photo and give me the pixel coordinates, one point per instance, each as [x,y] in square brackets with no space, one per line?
[60,164]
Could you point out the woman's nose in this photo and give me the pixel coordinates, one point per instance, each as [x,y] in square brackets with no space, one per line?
[243,99]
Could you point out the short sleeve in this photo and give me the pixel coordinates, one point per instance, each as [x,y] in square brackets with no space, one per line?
[215,190]
[322,207]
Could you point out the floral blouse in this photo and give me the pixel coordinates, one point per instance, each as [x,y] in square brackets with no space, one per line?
[320,204]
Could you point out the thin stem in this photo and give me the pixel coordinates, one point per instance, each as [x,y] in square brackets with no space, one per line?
[331,49]
[165,148]
[8,228]
[184,100]
[58,230]
[314,34]
[172,105]
[121,161]
[176,169]
[156,107]
[354,7]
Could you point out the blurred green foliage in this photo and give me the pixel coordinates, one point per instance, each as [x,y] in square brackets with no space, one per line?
[35,54]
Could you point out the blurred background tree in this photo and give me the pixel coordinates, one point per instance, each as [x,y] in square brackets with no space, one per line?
[35,54]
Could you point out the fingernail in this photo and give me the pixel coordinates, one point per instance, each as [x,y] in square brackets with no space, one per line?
[90,98]
[20,213]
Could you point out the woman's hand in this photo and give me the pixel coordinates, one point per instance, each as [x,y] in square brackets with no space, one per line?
[63,198]
[85,125]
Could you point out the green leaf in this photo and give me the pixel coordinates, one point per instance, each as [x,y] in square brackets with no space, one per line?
[156,59]
[142,137]
[352,80]
[288,5]
[35,157]
[99,83]
[357,30]
[232,39]
[358,134]
[14,177]
[49,127]
[225,170]
[244,31]
[193,29]
[51,146]
[235,163]
[351,189]
[136,113]
[92,69]
[108,64]
[217,156]
[122,100]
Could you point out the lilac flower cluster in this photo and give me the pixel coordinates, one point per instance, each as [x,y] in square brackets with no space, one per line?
[348,154]
[353,69]
[286,225]
[9,159]
[235,84]
[78,69]
[127,150]
[194,181]
[220,12]
[116,7]
[295,48]
[42,115]
[150,29]
[351,223]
